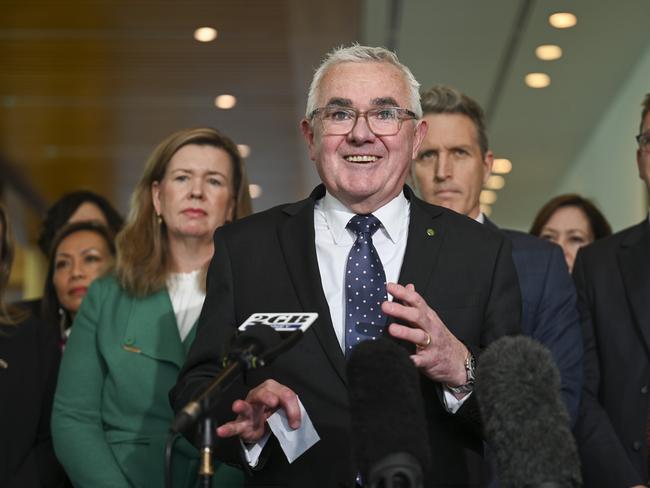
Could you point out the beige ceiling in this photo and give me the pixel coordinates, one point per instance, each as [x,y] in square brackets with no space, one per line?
[87,88]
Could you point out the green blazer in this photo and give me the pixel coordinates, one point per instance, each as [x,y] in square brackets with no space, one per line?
[111,411]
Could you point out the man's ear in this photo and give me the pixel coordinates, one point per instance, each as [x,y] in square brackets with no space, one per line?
[420,132]
[488,162]
[308,134]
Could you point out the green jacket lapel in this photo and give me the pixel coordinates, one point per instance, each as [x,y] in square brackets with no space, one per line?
[152,330]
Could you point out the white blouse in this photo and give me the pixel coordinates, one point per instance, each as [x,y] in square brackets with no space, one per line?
[187,297]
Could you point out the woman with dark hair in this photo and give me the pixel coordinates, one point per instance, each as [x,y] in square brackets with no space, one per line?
[572,222]
[80,252]
[77,206]
[29,361]
[131,336]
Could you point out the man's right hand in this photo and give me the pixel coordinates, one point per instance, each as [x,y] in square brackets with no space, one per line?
[260,403]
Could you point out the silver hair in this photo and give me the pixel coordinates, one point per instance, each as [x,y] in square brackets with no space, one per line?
[362,54]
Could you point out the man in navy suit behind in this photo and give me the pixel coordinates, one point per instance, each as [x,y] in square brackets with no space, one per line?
[450,169]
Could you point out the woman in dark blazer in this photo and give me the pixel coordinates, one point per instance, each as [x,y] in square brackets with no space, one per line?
[132,332]
[29,361]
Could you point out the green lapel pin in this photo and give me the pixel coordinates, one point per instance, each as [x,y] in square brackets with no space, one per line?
[431,232]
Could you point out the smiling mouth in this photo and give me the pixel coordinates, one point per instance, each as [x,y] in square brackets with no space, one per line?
[361,158]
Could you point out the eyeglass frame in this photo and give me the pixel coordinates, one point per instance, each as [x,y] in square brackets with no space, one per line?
[643,140]
[410,115]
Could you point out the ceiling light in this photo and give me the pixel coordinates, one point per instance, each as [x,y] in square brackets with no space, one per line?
[538,80]
[488,197]
[487,210]
[562,20]
[244,150]
[502,166]
[495,182]
[205,34]
[254,190]
[548,52]
[225,101]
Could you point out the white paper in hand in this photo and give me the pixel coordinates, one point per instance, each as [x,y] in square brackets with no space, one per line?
[294,442]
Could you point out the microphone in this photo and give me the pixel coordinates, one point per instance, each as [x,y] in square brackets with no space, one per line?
[259,343]
[525,421]
[389,436]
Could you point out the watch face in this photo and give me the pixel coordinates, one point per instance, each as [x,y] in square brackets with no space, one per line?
[470,367]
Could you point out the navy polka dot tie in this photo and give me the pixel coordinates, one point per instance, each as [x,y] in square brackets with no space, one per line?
[365,285]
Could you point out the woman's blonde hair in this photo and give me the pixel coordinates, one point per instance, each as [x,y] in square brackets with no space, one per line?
[142,248]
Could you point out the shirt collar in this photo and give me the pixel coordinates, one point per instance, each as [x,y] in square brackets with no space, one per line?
[392,216]
[480,218]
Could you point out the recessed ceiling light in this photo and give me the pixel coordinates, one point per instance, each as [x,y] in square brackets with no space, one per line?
[502,166]
[225,101]
[205,34]
[488,197]
[244,150]
[254,190]
[538,80]
[562,20]
[487,210]
[548,52]
[495,182]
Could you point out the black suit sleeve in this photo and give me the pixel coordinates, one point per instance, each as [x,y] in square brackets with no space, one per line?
[216,327]
[604,460]
[502,317]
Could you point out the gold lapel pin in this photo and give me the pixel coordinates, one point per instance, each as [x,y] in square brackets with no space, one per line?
[3,364]
[134,349]
[431,232]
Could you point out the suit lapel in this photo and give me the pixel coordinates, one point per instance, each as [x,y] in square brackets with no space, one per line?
[152,329]
[425,239]
[298,246]
[634,263]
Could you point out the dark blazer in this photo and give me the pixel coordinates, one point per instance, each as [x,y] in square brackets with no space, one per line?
[550,313]
[613,281]
[267,263]
[29,362]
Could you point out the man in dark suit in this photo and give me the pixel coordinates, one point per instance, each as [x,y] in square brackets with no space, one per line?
[452,166]
[613,280]
[450,298]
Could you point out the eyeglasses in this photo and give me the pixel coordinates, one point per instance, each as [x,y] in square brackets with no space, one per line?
[644,142]
[383,121]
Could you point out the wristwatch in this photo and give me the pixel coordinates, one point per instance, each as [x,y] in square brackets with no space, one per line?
[470,368]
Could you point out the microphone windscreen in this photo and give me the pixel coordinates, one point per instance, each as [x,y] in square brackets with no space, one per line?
[525,421]
[386,407]
[257,339]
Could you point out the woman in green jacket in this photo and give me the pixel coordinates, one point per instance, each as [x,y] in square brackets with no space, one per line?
[132,333]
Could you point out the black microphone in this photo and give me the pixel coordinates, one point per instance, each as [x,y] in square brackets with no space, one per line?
[525,421]
[389,430]
[264,336]
[254,348]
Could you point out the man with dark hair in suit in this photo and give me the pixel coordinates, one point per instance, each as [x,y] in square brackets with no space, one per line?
[451,167]
[612,276]
[371,259]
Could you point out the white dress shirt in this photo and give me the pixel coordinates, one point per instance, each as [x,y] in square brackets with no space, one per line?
[334,241]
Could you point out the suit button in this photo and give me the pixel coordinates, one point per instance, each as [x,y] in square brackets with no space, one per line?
[636,445]
[644,389]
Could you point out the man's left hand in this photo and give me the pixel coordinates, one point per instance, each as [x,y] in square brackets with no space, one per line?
[439,354]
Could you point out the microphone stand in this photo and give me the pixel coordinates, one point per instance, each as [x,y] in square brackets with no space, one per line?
[206,467]
[246,360]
